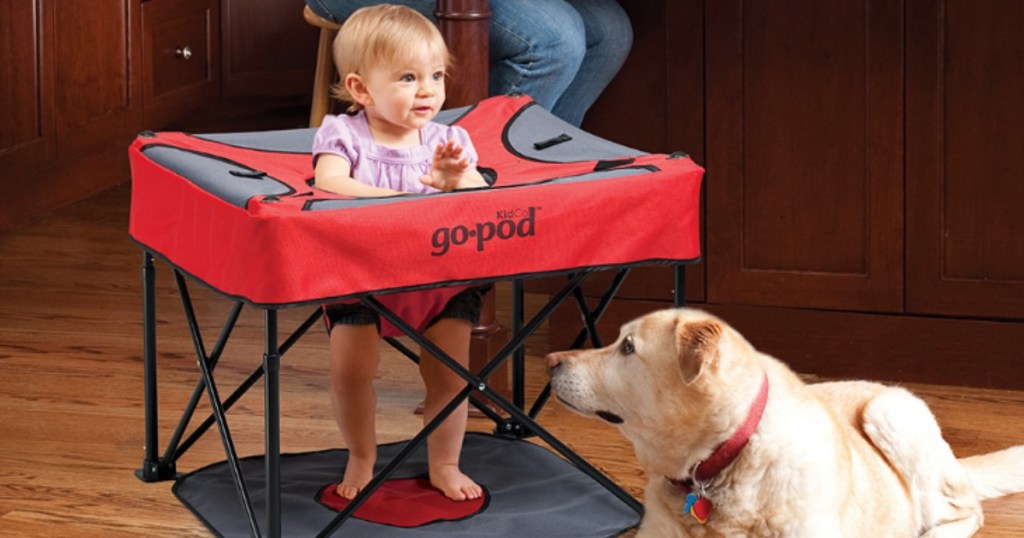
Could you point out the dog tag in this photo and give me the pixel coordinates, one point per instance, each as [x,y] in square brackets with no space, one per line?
[701,509]
[690,499]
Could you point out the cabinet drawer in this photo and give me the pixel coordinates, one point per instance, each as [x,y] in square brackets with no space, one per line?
[180,58]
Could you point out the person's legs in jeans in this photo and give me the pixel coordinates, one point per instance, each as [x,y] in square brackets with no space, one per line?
[536,48]
[609,37]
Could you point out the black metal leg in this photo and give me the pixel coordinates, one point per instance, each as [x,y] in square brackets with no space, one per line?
[153,469]
[581,337]
[272,422]
[680,285]
[174,448]
[555,301]
[519,357]
[589,323]
[215,402]
[592,317]
[270,365]
[245,385]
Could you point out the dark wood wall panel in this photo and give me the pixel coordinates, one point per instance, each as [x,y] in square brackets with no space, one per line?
[272,54]
[464,26]
[20,93]
[984,85]
[66,113]
[804,89]
[965,158]
[26,108]
[95,91]
[804,145]
[180,53]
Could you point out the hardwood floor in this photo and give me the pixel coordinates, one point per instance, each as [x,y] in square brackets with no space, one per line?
[71,417]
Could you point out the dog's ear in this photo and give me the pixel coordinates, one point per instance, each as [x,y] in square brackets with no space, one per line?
[697,345]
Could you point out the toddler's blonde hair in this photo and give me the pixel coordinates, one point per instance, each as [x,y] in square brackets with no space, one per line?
[382,33]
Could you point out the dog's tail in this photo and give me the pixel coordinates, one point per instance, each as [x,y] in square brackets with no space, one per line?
[997,473]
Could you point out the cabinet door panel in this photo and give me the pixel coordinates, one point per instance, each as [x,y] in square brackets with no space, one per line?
[268,48]
[804,145]
[965,158]
[97,94]
[181,61]
[24,113]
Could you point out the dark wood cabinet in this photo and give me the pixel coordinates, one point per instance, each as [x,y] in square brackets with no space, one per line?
[80,78]
[268,48]
[965,158]
[96,63]
[804,152]
[26,113]
[865,177]
[70,94]
[180,55]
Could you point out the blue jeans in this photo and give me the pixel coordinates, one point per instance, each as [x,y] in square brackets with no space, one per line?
[562,53]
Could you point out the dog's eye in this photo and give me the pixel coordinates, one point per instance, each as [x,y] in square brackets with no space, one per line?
[627,347]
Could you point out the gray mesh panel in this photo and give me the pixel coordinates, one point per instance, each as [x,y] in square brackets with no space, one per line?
[283,141]
[215,175]
[535,124]
[451,115]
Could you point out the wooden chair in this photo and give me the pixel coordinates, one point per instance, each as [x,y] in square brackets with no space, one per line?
[325,72]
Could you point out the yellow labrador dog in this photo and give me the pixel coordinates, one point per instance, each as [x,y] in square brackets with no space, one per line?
[735,444]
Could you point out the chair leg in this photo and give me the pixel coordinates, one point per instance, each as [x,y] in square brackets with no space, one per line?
[323,79]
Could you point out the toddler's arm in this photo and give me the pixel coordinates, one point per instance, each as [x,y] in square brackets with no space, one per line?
[334,173]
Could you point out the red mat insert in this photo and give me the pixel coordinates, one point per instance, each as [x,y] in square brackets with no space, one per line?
[407,503]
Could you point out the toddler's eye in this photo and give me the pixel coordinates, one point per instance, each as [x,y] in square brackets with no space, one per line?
[439,75]
[408,77]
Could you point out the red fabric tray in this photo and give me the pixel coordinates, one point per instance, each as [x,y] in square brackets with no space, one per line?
[298,244]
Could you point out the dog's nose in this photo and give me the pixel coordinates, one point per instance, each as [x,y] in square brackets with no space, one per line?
[554,360]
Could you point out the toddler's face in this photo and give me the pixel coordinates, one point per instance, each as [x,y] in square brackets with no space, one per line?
[409,93]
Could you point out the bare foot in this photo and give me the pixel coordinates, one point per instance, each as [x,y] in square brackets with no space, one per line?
[358,473]
[455,485]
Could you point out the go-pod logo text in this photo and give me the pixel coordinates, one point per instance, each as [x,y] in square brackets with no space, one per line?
[507,223]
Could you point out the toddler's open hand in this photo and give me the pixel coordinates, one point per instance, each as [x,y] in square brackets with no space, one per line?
[450,170]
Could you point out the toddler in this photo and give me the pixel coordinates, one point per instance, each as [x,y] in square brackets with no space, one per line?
[392,62]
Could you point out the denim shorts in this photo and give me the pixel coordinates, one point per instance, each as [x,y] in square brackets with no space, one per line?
[464,305]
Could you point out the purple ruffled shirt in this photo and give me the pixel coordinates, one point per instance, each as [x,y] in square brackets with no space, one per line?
[384,167]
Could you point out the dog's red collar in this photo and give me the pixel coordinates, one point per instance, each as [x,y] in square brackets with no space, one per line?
[727,452]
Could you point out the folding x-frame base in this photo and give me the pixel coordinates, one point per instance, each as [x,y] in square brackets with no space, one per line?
[518,423]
